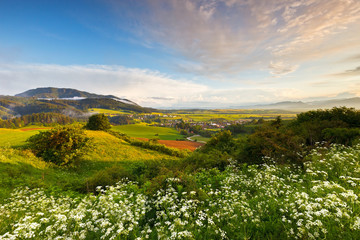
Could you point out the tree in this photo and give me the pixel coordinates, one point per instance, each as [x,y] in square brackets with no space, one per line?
[222,141]
[61,145]
[98,122]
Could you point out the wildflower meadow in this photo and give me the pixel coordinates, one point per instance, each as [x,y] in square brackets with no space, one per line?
[319,200]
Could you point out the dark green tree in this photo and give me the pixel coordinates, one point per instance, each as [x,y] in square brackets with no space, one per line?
[223,141]
[61,145]
[98,122]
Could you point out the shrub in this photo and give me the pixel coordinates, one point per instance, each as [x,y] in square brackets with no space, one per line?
[60,145]
[222,141]
[107,177]
[98,122]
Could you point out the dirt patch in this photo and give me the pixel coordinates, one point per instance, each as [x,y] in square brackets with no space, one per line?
[181,144]
[30,129]
[178,144]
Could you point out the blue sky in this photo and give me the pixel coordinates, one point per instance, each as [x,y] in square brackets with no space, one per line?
[184,53]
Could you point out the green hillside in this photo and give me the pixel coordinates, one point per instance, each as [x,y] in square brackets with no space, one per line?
[16,137]
[21,168]
[71,102]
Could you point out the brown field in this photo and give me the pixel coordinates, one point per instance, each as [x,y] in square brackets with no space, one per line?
[30,129]
[178,144]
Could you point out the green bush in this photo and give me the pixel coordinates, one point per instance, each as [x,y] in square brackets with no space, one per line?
[222,141]
[61,145]
[107,177]
[98,122]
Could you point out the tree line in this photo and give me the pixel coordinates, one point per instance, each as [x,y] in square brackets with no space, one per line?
[36,119]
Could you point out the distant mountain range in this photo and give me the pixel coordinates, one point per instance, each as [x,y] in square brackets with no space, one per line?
[306,106]
[70,102]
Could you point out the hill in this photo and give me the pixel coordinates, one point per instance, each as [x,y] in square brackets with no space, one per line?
[70,102]
[306,106]
[67,94]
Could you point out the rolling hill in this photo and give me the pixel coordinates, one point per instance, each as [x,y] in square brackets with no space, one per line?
[67,94]
[300,106]
[70,102]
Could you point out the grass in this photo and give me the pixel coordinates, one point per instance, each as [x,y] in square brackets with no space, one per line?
[319,200]
[108,111]
[143,130]
[19,167]
[16,137]
[200,138]
[111,149]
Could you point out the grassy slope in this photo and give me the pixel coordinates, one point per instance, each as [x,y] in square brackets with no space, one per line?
[144,131]
[21,168]
[15,137]
[108,111]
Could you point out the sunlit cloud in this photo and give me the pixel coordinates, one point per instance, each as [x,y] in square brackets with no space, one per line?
[136,84]
[348,73]
[145,87]
[229,36]
[281,68]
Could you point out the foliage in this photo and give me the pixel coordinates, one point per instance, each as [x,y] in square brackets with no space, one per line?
[98,122]
[269,201]
[153,145]
[288,142]
[200,160]
[122,119]
[341,135]
[311,125]
[61,145]
[36,118]
[268,141]
[107,177]
[222,141]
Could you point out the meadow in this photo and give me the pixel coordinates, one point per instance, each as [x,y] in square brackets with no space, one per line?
[143,130]
[268,201]
[17,137]
[19,167]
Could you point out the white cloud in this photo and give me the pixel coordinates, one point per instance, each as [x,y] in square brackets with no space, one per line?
[281,68]
[145,87]
[136,84]
[228,36]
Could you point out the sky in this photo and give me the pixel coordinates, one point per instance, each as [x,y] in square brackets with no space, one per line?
[184,53]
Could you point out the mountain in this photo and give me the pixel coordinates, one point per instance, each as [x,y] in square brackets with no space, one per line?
[300,106]
[67,94]
[71,102]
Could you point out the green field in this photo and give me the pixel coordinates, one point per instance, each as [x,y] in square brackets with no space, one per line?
[21,168]
[143,130]
[16,137]
[227,114]
[108,111]
[200,138]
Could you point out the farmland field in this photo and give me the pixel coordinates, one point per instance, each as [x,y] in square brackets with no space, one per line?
[142,130]
[228,114]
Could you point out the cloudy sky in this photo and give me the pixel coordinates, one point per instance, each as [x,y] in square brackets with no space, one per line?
[183,53]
